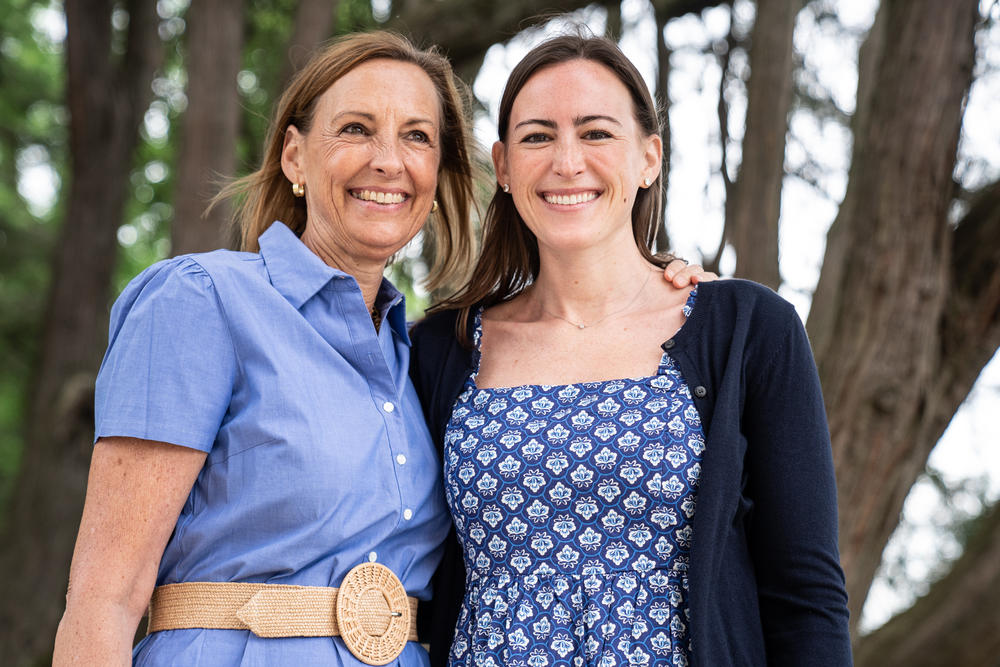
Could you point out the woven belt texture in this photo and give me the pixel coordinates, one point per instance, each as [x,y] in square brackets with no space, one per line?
[370,611]
[267,610]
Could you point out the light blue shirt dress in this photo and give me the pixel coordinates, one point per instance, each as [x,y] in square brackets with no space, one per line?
[318,455]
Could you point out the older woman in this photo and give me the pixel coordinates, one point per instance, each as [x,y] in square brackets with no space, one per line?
[257,436]
[638,474]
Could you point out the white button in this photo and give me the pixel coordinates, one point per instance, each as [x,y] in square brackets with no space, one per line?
[407,514]
[400,459]
[388,406]
[372,557]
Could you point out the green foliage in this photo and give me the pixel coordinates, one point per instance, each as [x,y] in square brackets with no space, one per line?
[355,15]
[33,149]
[269,25]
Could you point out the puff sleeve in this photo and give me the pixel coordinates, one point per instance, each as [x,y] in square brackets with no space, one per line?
[170,367]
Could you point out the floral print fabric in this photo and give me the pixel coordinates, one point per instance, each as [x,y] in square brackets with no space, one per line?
[573,506]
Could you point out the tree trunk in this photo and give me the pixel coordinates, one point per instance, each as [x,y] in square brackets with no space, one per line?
[826,299]
[881,361]
[209,127]
[106,97]
[663,97]
[446,22]
[956,622]
[722,112]
[757,206]
[314,22]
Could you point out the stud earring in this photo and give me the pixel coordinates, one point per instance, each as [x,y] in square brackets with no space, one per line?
[506,188]
[434,206]
[298,190]
[647,182]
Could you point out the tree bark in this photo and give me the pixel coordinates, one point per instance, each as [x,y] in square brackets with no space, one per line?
[446,22]
[314,22]
[663,97]
[881,360]
[757,205]
[107,97]
[210,125]
[956,622]
[722,112]
[826,298]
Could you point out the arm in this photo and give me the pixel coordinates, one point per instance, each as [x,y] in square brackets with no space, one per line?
[793,525]
[135,493]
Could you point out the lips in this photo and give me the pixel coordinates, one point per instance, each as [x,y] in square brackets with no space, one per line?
[379,197]
[570,199]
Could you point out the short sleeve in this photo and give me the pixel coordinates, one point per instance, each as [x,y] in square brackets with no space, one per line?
[170,367]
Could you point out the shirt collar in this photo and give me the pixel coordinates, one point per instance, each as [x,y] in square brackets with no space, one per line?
[391,298]
[298,274]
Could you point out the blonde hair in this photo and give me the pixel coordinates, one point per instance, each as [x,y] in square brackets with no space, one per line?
[265,195]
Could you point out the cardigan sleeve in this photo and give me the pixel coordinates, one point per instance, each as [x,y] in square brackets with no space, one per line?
[793,524]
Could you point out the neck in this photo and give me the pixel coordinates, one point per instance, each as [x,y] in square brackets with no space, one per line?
[584,287]
[367,272]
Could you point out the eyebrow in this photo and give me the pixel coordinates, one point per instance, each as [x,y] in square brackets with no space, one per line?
[371,117]
[577,122]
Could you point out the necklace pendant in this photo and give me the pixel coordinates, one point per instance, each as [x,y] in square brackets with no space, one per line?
[581,326]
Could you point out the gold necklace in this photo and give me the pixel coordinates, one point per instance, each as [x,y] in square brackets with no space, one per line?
[581,325]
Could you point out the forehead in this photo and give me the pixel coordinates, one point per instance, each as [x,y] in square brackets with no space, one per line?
[383,86]
[573,89]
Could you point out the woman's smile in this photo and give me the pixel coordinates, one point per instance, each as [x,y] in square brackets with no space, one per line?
[563,199]
[380,197]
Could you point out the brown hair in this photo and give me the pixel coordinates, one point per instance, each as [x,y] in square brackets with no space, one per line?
[509,262]
[266,195]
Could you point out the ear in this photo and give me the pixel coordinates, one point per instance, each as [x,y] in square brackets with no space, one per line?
[292,155]
[499,153]
[652,156]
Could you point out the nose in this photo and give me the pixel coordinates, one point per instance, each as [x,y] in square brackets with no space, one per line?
[568,160]
[386,158]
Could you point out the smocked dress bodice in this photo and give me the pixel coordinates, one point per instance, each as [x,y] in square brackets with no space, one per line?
[573,507]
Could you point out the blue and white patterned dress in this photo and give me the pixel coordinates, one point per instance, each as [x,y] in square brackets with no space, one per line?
[573,505]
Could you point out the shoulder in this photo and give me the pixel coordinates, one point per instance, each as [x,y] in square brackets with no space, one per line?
[196,267]
[437,353]
[745,302]
[221,265]
[744,295]
[183,283]
[438,326]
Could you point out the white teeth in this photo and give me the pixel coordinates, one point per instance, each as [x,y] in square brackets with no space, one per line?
[379,197]
[569,200]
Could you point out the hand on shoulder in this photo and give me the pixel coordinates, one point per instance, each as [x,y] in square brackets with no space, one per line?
[681,274]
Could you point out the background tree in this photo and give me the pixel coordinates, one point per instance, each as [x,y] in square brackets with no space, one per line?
[109,70]
[160,98]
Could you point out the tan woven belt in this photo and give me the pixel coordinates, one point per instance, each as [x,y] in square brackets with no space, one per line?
[370,611]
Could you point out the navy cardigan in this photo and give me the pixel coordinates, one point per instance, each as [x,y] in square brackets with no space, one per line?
[765,578]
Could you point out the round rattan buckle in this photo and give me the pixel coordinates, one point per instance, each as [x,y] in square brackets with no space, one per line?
[373,614]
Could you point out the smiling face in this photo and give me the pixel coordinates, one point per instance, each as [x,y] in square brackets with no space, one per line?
[575,156]
[369,162]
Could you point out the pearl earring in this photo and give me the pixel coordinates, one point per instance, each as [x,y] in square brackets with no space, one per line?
[647,182]
[506,188]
